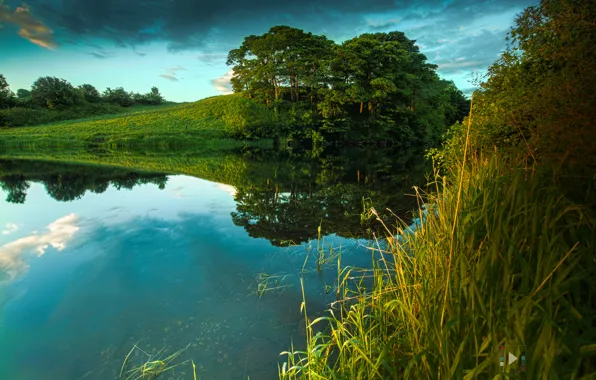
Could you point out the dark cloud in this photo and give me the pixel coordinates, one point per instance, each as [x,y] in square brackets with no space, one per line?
[186,24]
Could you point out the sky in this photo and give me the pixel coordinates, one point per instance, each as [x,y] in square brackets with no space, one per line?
[180,46]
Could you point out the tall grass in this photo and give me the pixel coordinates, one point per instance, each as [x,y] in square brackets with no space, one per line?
[501,259]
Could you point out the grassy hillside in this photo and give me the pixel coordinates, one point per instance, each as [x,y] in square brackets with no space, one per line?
[220,117]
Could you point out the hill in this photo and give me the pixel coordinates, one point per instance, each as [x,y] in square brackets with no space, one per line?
[219,117]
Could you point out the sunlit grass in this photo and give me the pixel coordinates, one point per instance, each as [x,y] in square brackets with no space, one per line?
[500,259]
[214,118]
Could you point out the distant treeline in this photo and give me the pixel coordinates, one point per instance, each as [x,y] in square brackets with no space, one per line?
[371,87]
[54,99]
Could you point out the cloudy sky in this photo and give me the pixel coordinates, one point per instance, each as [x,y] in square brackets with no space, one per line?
[180,46]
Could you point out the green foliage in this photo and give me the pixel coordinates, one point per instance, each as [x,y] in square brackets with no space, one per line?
[538,97]
[118,96]
[6,96]
[23,94]
[367,88]
[90,93]
[55,93]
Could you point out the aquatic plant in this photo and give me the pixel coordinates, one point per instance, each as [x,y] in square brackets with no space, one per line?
[155,364]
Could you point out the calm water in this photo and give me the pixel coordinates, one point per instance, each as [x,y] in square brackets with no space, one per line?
[95,259]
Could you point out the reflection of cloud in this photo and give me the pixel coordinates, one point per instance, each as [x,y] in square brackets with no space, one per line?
[59,233]
[223,84]
[29,28]
[9,228]
[227,188]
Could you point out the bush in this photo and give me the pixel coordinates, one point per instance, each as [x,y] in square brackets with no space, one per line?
[20,116]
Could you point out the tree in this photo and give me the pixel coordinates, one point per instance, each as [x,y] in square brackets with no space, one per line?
[90,93]
[23,94]
[6,96]
[54,93]
[118,96]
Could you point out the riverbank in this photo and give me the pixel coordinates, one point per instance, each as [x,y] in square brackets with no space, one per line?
[504,261]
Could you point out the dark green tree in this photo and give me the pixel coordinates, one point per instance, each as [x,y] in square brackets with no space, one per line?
[118,96]
[23,94]
[90,93]
[55,93]
[6,96]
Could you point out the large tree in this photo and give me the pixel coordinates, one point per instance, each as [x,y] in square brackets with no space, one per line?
[54,93]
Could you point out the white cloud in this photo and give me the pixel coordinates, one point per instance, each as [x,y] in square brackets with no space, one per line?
[9,228]
[223,84]
[59,233]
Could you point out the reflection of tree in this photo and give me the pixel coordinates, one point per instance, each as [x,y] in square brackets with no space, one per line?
[68,182]
[333,194]
[16,186]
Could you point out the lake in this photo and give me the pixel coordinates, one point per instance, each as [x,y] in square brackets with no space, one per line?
[196,252]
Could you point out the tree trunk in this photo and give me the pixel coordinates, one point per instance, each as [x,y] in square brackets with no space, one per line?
[361,105]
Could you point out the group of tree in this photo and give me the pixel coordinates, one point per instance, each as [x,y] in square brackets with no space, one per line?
[56,93]
[60,96]
[374,86]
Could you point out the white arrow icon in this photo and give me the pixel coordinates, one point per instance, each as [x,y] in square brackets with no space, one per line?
[512,358]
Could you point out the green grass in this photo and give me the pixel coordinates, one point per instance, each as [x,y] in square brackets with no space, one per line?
[505,260]
[219,117]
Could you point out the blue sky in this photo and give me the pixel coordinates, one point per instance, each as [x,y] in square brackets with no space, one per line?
[180,46]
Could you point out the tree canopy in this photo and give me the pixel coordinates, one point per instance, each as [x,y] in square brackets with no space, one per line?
[374,86]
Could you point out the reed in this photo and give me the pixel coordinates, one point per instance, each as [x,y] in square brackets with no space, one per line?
[154,365]
[499,258]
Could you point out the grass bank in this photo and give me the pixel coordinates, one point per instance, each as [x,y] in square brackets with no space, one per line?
[504,260]
[220,117]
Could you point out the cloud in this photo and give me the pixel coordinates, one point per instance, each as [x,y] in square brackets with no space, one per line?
[169,77]
[174,70]
[190,24]
[223,84]
[58,234]
[101,55]
[171,73]
[211,58]
[9,228]
[30,28]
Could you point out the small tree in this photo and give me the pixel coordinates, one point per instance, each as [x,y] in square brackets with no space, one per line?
[90,93]
[6,96]
[54,93]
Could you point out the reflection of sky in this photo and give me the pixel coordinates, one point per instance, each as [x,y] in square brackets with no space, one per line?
[182,194]
[43,222]
[109,269]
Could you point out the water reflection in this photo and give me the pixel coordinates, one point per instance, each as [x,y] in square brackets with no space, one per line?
[174,260]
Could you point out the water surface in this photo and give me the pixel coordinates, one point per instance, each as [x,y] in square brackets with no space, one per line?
[96,259]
